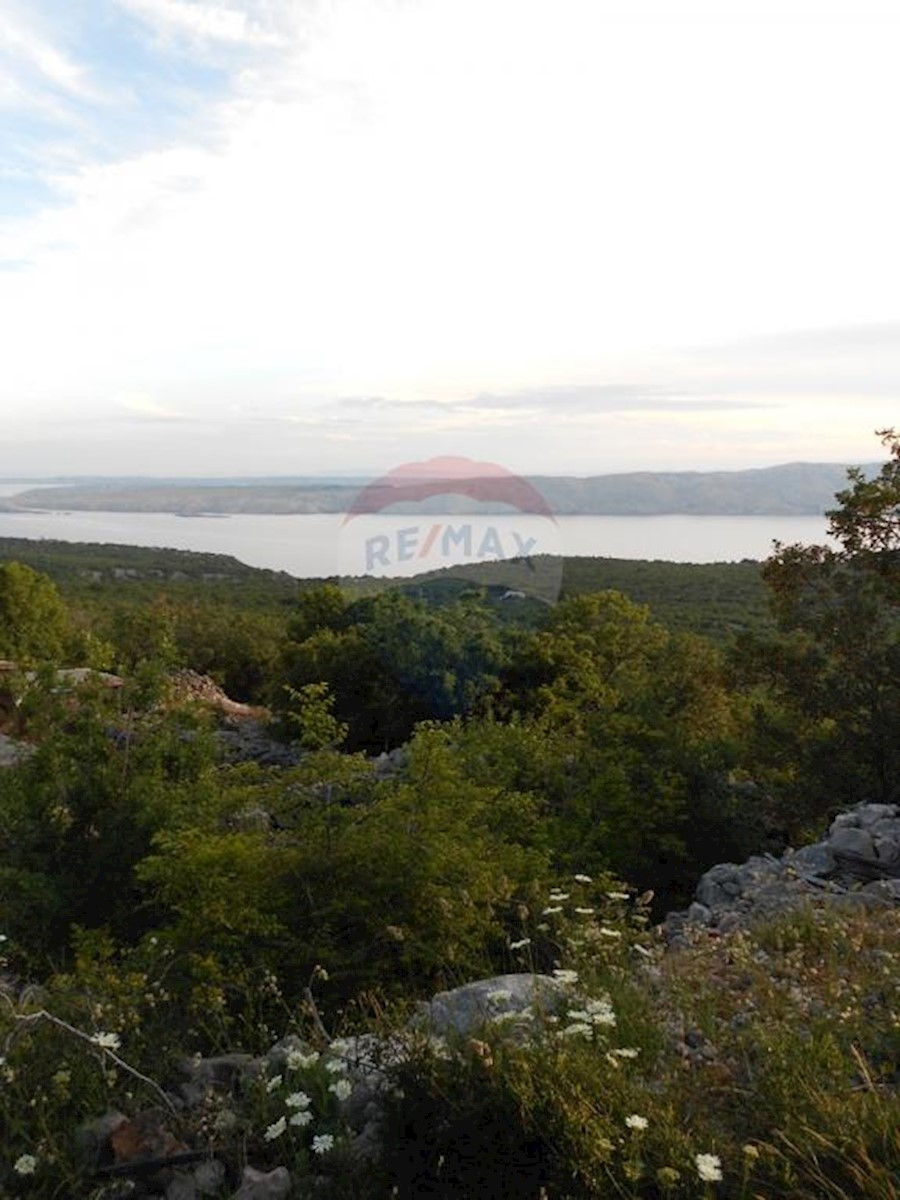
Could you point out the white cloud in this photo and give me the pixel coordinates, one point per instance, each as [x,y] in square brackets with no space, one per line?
[441,200]
[31,49]
[202,22]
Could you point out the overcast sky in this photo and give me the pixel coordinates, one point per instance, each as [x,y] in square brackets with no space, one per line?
[296,236]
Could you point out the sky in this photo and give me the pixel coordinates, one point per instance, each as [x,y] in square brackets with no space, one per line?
[251,237]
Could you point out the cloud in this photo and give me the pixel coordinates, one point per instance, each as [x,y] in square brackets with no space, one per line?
[146,408]
[203,22]
[612,398]
[28,48]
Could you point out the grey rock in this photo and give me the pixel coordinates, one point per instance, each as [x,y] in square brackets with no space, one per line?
[224,1073]
[467,1008]
[182,1186]
[209,1178]
[847,840]
[816,859]
[699,914]
[870,814]
[262,1185]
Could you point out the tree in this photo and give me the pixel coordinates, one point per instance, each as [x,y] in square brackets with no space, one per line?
[34,623]
[831,677]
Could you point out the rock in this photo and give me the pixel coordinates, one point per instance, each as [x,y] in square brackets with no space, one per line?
[862,846]
[182,1186]
[699,914]
[465,1009]
[226,1072]
[209,1177]
[262,1185]
[817,860]
[848,840]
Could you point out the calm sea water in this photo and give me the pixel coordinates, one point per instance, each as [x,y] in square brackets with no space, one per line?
[308,546]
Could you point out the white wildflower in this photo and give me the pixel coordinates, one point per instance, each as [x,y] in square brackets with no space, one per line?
[577,1029]
[322,1143]
[636,1122]
[274,1082]
[25,1164]
[335,1066]
[617,895]
[584,912]
[520,944]
[709,1167]
[275,1130]
[298,1061]
[499,996]
[107,1041]
[583,879]
[298,1100]
[301,1118]
[563,975]
[610,933]
[342,1088]
[549,912]
[625,1052]
[556,897]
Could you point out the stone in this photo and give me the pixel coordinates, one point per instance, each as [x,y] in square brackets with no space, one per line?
[182,1186]
[209,1177]
[857,842]
[699,914]
[264,1185]
[465,1009]
[816,859]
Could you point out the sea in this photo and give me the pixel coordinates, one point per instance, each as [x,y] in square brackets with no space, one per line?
[315,546]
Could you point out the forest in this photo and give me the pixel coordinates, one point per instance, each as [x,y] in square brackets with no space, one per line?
[419,785]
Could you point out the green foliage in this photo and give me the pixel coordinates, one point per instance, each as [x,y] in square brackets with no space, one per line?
[33,618]
[829,680]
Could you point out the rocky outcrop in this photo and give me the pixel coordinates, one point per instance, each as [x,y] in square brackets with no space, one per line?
[857,864]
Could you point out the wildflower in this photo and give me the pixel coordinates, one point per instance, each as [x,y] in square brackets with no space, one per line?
[751,1153]
[275,1130]
[555,897]
[335,1066]
[577,1029]
[274,1082]
[301,1118]
[298,1100]
[319,972]
[107,1041]
[667,1177]
[499,996]
[322,1143]
[583,879]
[610,933]
[520,944]
[584,912]
[617,895]
[636,1122]
[342,1088]
[4,938]
[625,1052]
[25,1164]
[298,1061]
[562,975]
[548,912]
[709,1167]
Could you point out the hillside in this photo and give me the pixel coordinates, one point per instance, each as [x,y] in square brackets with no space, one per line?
[795,489]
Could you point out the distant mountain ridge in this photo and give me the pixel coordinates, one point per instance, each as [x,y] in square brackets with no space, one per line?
[794,489]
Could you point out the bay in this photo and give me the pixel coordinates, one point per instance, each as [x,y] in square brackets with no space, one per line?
[325,545]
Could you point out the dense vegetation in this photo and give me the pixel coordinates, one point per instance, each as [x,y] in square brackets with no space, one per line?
[162,897]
